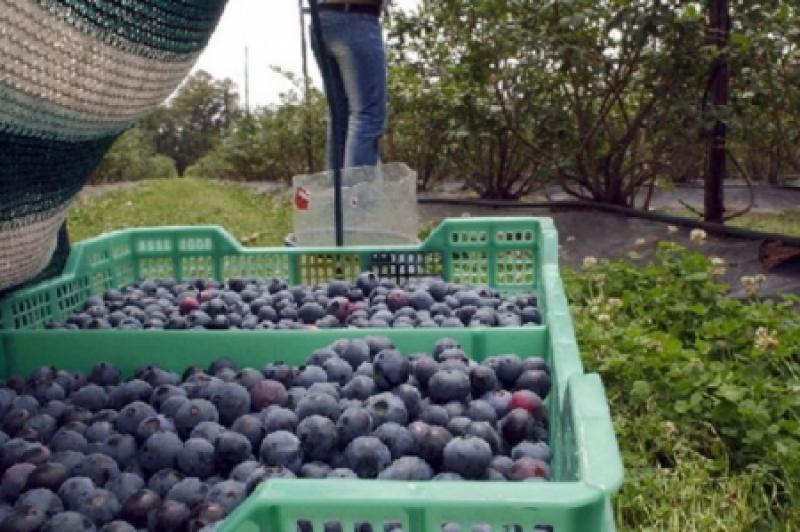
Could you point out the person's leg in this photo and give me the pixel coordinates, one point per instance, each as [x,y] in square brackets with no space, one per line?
[360,54]
[334,90]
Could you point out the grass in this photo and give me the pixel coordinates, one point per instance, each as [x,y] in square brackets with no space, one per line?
[254,219]
[785,222]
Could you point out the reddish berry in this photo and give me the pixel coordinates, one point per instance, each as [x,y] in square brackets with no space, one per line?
[527,400]
[189,304]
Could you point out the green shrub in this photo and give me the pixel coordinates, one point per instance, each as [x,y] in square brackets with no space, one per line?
[704,389]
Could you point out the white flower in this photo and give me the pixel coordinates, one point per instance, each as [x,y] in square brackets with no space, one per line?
[614,302]
[640,242]
[589,262]
[672,229]
[760,279]
[765,340]
[571,238]
[718,266]
[697,235]
[604,318]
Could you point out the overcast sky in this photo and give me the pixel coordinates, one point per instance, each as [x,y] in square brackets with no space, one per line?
[270,29]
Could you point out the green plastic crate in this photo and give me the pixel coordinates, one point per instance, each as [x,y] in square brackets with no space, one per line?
[511,254]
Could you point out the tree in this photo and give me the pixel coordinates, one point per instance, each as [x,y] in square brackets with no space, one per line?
[132,157]
[193,122]
[267,144]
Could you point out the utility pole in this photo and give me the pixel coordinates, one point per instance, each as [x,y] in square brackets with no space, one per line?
[246,80]
[717,33]
[306,91]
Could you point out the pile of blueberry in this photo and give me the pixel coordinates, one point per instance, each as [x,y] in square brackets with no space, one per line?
[264,304]
[167,452]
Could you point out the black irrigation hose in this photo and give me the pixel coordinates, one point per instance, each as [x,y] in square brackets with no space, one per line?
[713,228]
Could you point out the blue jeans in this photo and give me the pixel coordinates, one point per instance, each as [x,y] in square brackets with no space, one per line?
[355,86]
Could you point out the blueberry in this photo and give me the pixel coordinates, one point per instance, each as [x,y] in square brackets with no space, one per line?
[507,368]
[276,418]
[535,380]
[386,407]
[481,410]
[124,485]
[318,404]
[195,411]
[120,447]
[38,428]
[251,427]
[407,468]
[128,392]
[151,425]
[366,369]
[162,392]
[367,456]
[457,426]
[243,470]
[397,438]
[67,440]
[15,478]
[204,515]
[69,459]
[423,367]
[207,430]
[411,398]
[100,506]
[283,449]
[232,400]
[468,456]
[117,526]
[325,387]
[500,401]
[172,404]
[338,370]
[482,380]
[190,491]
[502,464]
[390,369]
[486,432]
[448,385]
[538,450]
[163,481]
[196,458]
[430,441]
[228,494]
[138,506]
[132,415]
[309,375]
[531,315]
[159,451]
[318,437]
[68,521]
[434,415]
[526,467]
[515,426]
[366,282]
[169,517]
[49,475]
[104,374]
[91,397]
[264,473]
[315,470]
[355,352]
[352,423]
[342,473]
[98,467]
[74,489]
[230,449]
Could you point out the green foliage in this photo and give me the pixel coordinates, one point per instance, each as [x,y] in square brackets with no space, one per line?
[704,392]
[133,157]
[270,144]
[192,122]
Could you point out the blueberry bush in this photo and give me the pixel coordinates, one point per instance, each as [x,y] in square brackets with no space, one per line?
[704,389]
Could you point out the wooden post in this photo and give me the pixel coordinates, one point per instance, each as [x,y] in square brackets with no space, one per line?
[718,33]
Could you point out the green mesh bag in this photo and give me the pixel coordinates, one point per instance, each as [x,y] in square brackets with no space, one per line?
[74,74]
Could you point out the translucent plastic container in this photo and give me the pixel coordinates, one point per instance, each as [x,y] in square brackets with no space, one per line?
[379,205]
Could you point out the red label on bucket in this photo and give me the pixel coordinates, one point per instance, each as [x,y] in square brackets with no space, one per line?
[302,198]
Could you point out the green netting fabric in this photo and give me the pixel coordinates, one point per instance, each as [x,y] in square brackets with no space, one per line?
[73,75]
